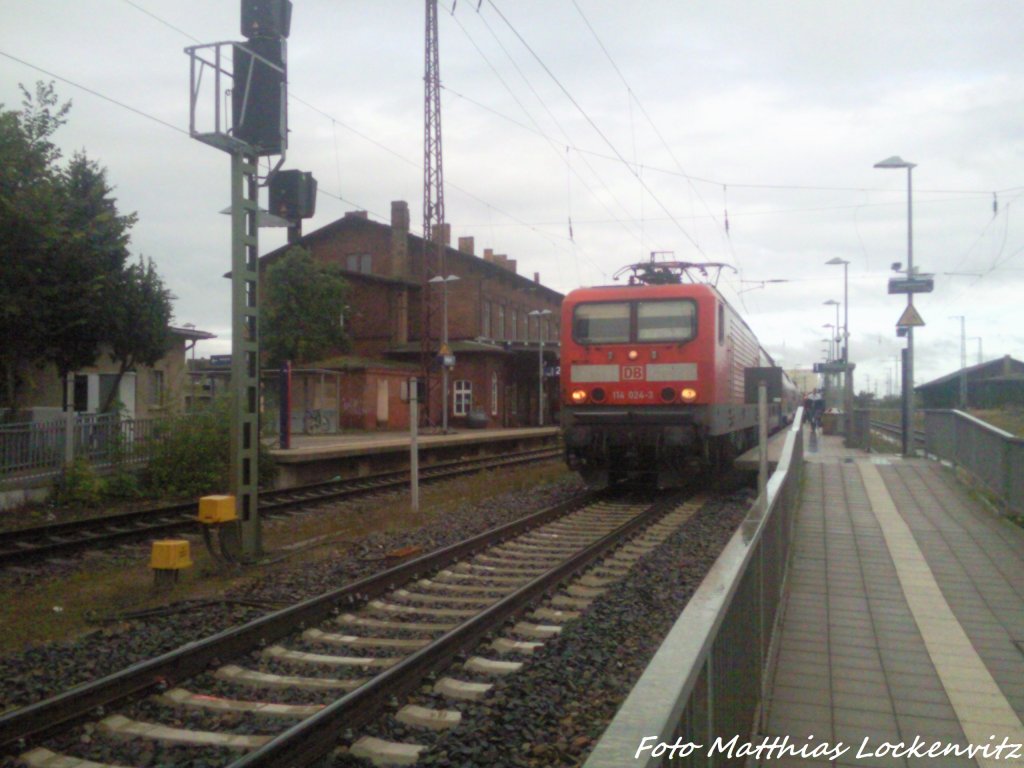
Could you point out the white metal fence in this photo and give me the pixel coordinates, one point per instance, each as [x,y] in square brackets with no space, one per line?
[41,449]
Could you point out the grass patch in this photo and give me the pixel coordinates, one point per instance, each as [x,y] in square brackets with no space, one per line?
[1009,418]
[109,583]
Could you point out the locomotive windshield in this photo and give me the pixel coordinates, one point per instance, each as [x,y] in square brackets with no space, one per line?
[604,323]
[665,320]
[621,322]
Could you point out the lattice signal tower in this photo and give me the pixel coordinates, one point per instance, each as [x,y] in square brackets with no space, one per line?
[433,190]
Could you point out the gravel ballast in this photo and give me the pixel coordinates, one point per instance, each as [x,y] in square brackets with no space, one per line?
[548,714]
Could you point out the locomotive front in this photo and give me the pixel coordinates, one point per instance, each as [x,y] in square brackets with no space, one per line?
[638,371]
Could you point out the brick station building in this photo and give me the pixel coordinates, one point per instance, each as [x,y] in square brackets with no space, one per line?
[396,316]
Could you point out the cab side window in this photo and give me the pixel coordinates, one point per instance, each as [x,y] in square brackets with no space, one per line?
[721,324]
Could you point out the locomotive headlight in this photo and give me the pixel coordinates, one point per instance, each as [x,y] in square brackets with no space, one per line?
[689,394]
[579,396]
[633,354]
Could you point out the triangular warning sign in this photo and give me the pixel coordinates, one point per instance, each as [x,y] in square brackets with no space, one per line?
[909,318]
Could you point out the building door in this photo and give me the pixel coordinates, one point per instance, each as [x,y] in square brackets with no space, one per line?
[382,402]
[511,406]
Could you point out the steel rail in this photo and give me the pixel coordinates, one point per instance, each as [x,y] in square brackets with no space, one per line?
[21,545]
[44,717]
[314,738]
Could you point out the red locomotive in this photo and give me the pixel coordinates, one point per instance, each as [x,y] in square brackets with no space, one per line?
[659,377]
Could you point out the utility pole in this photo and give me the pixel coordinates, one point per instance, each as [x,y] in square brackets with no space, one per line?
[433,196]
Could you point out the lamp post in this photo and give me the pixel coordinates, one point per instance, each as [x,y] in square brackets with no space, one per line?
[963,359]
[847,372]
[838,328]
[908,374]
[831,341]
[977,339]
[445,352]
[539,313]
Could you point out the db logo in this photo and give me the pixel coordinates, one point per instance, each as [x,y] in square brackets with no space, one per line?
[632,373]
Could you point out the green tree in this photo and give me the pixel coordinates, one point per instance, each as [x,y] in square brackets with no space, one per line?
[65,282]
[85,267]
[305,303]
[136,325]
[30,213]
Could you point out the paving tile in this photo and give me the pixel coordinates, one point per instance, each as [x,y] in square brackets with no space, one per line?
[919,666]
[902,691]
[868,676]
[790,710]
[931,709]
[799,730]
[918,681]
[930,728]
[786,693]
[847,700]
[848,665]
[869,721]
[860,687]
[868,762]
[802,679]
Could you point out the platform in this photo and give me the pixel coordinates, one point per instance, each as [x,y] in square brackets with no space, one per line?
[750,461]
[903,619]
[314,458]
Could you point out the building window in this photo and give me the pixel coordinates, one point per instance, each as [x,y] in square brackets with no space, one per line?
[485,326]
[494,394]
[499,332]
[462,403]
[156,388]
[515,324]
[359,262]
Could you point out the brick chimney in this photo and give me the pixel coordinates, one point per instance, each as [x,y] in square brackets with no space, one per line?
[444,232]
[467,245]
[399,239]
[356,215]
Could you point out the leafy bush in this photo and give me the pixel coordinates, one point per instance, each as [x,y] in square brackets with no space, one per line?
[122,485]
[193,457]
[79,485]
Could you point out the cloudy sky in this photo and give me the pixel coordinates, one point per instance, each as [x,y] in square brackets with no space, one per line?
[582,135]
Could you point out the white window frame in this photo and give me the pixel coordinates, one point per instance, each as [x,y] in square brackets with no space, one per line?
[462,397]
[494,394]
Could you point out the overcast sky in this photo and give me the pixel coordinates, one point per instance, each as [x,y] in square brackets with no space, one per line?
[646,124]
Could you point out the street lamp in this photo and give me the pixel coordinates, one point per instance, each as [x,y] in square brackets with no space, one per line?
[539,313]
[847,373]
[908,374]
[446,355]
[831,341]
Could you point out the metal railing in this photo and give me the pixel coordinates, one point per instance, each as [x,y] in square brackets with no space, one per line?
[706,683]
[993,457]
[39,449]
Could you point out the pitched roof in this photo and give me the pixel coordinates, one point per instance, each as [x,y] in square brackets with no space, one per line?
[998,367]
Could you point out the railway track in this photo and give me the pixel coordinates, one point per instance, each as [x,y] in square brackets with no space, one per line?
[895,431]
[333,664]
[38,543]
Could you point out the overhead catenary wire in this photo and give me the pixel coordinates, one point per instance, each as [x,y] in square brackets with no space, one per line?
[335,122]
[590,121]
